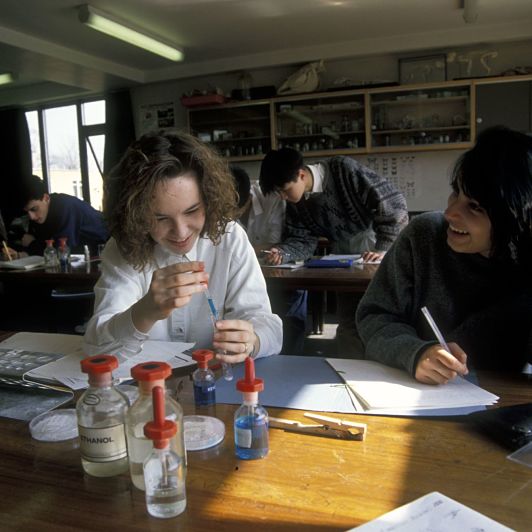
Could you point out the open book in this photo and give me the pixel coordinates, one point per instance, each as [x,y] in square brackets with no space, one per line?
[25,263]
[379,389]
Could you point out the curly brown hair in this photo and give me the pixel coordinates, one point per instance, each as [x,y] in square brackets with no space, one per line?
[155,157]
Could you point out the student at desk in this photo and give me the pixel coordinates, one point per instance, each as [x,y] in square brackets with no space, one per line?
[470,266]
[169,204]
[357,210]
[53,216]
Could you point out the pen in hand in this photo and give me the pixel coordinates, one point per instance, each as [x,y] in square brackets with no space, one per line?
[6,251]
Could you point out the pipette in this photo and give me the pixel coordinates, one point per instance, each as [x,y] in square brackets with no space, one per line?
[227,370]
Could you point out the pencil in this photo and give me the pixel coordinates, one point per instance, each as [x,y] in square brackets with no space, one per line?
[6,250]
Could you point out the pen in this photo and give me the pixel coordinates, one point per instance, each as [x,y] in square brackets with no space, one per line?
[434,327]
[6,250]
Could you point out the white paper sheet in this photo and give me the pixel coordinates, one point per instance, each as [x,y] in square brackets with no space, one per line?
[433,512]
[381,387]
[67,370]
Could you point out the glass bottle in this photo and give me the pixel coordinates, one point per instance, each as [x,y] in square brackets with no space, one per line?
[101,412]
[164,470]
[149,375]
[64,254]
[251,419]
[203,378]
[51,258]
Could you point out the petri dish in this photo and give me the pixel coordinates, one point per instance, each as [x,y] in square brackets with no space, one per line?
[202,432]
[58,425]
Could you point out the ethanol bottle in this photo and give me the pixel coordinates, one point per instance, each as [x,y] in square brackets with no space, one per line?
[164,470]
[251,419]
[149,375]
[101,412]
[51,258]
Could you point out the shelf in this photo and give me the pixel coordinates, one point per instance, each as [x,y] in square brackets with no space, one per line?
[418,100]
[316,135]
[417,130]
[239,139]
[421,147]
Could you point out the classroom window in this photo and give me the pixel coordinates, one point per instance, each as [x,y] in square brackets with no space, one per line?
[67,144]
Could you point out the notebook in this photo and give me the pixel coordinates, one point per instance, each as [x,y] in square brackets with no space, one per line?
[378,388]
[25,263]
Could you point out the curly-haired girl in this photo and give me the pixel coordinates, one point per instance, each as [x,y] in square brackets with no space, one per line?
[169,205]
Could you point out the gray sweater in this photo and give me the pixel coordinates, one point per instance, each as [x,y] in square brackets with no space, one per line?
[354,199]
[479,303]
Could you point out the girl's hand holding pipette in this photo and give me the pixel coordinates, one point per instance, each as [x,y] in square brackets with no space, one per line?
[438,366]
[237,338]
[171,287]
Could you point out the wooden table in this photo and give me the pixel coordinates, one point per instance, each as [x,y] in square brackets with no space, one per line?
[354,279]
[318,281]
[305,483]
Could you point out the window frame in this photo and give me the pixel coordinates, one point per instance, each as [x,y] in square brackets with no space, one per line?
[83,133]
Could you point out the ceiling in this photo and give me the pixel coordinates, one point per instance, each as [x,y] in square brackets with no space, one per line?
[54,56]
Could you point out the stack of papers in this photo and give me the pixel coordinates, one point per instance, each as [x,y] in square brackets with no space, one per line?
[25,263]
[376,388]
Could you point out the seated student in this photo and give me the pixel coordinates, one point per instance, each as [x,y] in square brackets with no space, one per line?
[357,210]
[470,266]
[169,204]
[53,216]
[262,216]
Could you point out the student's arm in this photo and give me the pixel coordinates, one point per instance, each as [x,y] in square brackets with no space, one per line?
[380,199]
[387,313]
[298,240]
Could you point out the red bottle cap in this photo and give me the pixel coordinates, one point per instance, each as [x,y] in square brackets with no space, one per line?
[49,243]
[160,430]
[250,383]
[151,371]
[99,364]
[202,357]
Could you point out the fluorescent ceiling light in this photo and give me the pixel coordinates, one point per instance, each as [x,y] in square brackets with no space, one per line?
[104,23]
[6,77]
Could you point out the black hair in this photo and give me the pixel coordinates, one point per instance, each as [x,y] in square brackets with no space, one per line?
[497,172]
[243,184]
[33,188]
[278,168]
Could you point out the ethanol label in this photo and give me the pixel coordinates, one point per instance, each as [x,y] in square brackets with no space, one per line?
[102,444]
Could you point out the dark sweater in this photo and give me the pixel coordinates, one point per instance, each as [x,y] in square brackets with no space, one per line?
[479,303]
[69,217]
[354,199]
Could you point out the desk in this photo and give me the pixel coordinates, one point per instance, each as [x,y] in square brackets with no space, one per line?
[305,483]
[318,280]
[27,304]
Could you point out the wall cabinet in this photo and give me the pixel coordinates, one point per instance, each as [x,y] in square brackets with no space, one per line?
[321,125]
[433,116]
[239,131]
[421,118]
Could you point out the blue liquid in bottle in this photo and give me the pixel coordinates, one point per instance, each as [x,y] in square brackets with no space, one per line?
[204,393]
[251,432]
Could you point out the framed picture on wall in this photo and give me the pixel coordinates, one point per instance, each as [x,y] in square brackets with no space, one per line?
[423,69]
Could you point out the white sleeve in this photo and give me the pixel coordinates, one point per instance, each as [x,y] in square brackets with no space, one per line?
[119,287]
